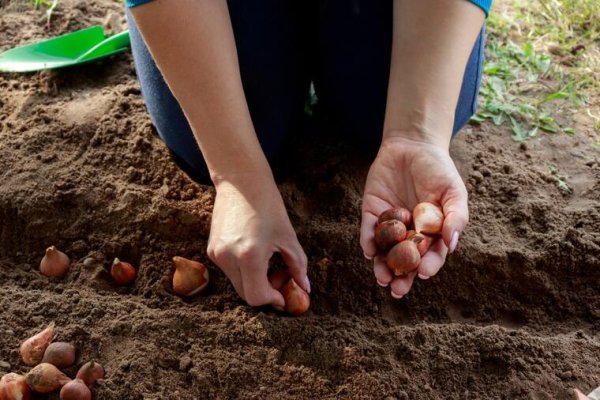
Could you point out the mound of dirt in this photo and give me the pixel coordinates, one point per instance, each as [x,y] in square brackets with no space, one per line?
[515,313]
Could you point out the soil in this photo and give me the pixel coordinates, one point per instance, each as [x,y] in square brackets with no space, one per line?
[514,314]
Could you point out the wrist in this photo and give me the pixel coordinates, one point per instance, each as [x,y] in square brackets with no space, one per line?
[417,136]
[255,178]
[421,119]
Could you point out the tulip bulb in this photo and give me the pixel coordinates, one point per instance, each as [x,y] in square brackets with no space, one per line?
[296,299]
[190,277]
[398,213]
[32,350]
[60,354]
[278,279]
[90,372]
[122,272]
[428,218]
[14,387]
[388,233]
[75,390]
[45,378]
[54,263]
[403,258]
[423,241]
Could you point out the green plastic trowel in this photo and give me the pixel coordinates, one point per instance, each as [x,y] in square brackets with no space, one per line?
[73,48]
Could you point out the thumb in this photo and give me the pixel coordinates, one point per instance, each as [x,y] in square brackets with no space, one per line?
[367,234]
[296,261]
[456,215]
[277,299]
[257,288]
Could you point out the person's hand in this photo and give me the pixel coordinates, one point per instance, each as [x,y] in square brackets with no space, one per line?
[249,224]
[405,173]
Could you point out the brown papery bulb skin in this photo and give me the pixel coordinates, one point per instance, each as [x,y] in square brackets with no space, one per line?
[90,372]
[75,390]
[14,387]
[122,272]
[55,263]
[423,241]
[428,218]
[60,354]
[403,258]
[398,213]
[190,277]
[388,233]
[32,350]
[278,279]
[45,378]
[297,301]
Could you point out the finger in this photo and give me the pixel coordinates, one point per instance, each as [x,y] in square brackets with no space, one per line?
[382,272]
[235,277]
[295,258]
[367,234]
[226,262]
[433,260]
[401,286]
[257,289]
[456,215]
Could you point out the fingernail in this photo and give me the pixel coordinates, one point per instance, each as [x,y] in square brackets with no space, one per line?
[453,242]
[382,284]
[367,257]
[307,284]
[396,296]
[278,308]
[423,276]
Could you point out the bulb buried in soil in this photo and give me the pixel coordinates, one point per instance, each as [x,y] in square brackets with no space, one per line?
[388,233]
[75,390]
[32,350]
[428,218]
[190,277]
[396,213]
[403,258]
[45,378]
[297,301]
[55,263]
[90,372]
[60,354]
[122,272]
[14,387]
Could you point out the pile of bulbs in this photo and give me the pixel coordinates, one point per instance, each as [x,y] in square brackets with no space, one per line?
[47,359]
[403,247]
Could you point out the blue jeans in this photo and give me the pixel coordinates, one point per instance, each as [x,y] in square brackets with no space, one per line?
[343,47]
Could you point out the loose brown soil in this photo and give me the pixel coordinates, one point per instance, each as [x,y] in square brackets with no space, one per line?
[514,314]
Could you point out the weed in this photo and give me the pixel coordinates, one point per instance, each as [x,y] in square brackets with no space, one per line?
[538,64]
[50,6]
[560,181]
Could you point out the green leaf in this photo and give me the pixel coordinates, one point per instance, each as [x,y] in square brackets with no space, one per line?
[555,96]
[519,133]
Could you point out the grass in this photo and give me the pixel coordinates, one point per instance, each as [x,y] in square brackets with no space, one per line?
[542,65]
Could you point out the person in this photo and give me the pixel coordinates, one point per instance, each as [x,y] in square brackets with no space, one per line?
[226,81]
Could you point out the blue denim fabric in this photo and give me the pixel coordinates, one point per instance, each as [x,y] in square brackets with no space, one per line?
[485,5]
[344,47]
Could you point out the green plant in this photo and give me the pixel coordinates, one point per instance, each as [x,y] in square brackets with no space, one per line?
[50,6]
[541,63]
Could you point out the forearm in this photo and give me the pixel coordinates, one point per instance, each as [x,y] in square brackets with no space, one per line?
[431,45]
[193,45]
